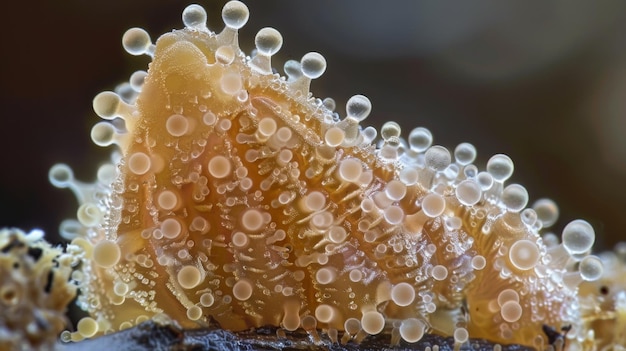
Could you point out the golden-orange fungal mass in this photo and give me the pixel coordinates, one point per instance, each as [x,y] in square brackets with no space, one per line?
[239,198]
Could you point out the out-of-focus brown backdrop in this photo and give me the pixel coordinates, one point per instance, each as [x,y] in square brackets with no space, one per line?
[544,82]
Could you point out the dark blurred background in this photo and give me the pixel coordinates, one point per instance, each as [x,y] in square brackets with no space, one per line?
[544,82]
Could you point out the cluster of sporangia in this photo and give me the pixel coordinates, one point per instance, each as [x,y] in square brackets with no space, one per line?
[240,199]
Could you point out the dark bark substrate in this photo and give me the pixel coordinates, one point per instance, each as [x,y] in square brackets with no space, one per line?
[151,336]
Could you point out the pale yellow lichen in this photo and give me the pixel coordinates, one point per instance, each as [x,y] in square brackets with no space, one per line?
[35,290]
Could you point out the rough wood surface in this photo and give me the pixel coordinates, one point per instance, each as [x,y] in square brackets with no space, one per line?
[151,336]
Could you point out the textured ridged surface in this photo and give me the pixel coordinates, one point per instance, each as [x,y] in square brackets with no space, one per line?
[240,198]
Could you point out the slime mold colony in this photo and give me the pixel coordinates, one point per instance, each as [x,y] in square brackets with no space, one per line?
[238,198]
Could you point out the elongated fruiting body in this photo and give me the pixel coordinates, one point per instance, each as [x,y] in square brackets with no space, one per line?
[241,199]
